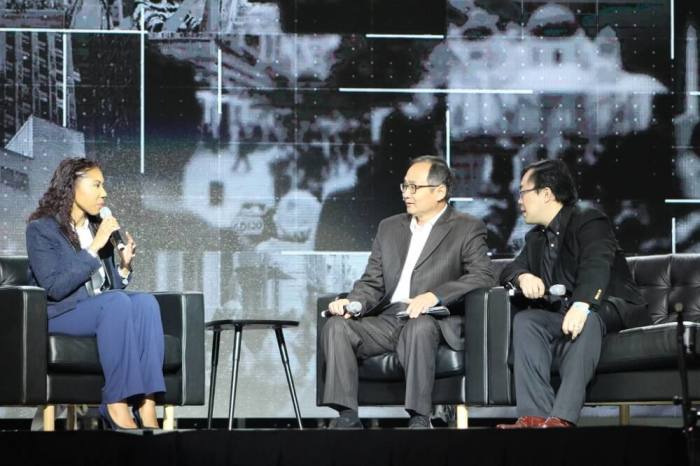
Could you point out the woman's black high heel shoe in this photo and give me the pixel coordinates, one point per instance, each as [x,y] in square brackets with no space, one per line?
[109,422]
[139,422]
[137,417]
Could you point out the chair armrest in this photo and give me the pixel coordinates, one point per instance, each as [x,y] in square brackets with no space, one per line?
[475,338]
[182,315]
[487,335]
[23,343]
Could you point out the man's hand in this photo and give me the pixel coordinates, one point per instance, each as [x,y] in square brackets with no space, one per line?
[420,304]
[574,320]
[531,285]
[337,308]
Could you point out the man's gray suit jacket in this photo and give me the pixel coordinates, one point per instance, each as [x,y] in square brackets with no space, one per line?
[453,262]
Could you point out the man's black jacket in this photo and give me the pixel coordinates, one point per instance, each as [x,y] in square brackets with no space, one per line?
[589,263]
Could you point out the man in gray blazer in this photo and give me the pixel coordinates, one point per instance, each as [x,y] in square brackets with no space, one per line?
[431,255]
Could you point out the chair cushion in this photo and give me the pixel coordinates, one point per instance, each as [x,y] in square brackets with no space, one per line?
[685,279]
[14,271]
[645,348]
[386,367]
[652,275]
[78,355]
[668,281]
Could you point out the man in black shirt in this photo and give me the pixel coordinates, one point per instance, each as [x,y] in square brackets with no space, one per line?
[575,247]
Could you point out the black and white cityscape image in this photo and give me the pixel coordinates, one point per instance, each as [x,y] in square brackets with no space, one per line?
[252,147]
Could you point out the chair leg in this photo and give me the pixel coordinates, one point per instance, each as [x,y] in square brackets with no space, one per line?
[237,337]
[216,338]
[288,372]
[72,417]
[168,417]
[624,415]
[49,418]
[462,417]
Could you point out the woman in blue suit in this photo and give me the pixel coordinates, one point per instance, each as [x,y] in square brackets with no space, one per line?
[72,258]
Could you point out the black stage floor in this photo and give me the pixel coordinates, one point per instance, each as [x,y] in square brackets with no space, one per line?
[589,446]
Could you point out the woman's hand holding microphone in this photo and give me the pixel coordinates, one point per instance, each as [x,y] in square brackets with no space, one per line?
[108,226]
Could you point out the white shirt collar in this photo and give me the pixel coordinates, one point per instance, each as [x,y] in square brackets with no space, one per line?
[431,223]
[84,226]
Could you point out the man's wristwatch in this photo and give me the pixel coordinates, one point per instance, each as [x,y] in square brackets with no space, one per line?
[582,306]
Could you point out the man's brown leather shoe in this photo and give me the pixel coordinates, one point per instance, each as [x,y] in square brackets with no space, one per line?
[554,422]
[524,422]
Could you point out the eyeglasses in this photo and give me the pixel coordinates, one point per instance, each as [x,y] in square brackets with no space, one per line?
[522,192]
[412,188]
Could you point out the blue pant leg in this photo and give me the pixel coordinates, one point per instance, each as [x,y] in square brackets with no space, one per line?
[79,322]
[148,331]
[108,317]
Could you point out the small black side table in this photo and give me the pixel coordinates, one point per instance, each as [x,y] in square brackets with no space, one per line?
[218,326]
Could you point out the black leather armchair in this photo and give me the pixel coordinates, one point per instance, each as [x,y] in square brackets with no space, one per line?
[47,369]
[382,378]
[636,366]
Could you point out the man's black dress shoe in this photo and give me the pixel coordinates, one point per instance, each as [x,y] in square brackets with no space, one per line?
[419,422]
[346,422]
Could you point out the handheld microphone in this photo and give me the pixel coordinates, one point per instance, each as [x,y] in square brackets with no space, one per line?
[116,237]
[353,307]
[555,291]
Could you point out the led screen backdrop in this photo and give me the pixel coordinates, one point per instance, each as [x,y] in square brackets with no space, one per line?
[253,147]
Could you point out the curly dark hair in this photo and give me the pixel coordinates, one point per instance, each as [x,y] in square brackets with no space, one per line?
[57,201]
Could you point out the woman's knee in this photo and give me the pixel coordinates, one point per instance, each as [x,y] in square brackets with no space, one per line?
[117,300]
[115,306]
[145,304]
[144,301]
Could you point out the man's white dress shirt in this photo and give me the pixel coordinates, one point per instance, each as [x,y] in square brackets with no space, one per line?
[419,236]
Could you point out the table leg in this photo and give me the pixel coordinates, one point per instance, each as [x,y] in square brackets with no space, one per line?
[234,373]
[216,338]
[288,372]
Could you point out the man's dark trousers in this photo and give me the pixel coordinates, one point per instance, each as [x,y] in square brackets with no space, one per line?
[415,342]
[537,339]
